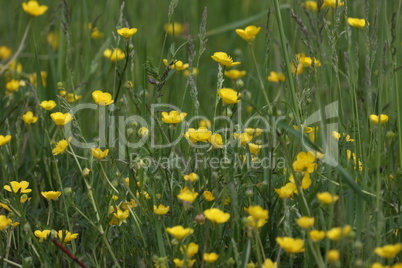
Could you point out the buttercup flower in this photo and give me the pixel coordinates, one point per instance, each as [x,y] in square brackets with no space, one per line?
[33,8]
[333,3]
[48,105]
[174,28]
[122,215]
[66,236]
[327,198]
[143,132]
[13,85]
[304,162]
[60,147]
[29,118]
[244,138]
[34,80]
[216,140]
[161,209]
[102,98]
[291,245]
[357,23]
[248,33]
[208,196]
[114,55]
[224,59]
[268,263]
[126,33]
[4,139]
[316,235]
[18,187]
[61,119]
[177,64]
[286,191]
[216,215]
[210,257]
[187,195]
[192,177]
[333,255]
[257,212]
[307,61]
[5,206]
[235,74]
[53,39]
[99,154]
[337,233]
[229,96]
[5,52]
[276,77]
[379,119]
[179,232]
[4,222]
[388,251]
[311,5]
[42,235]
[190,250]
[254,148]
[71,97]
[179,263]
[198,135]
[305,222]
[173,117]
[51,195]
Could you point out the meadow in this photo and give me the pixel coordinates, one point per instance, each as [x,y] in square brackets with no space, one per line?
[200,133]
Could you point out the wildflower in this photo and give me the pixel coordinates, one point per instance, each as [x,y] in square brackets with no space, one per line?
[66,236]
[194,71]
[180,263]
[192,177]
[51,195]
[276,77]
[286,191]
[216,215]
[33,8]
[5,52]
[216,140]
[72,97]
[187,195]
[4,222]
[5,206]
[42,235]
[224,59]
[244,138]
[143,132]
[210,257]
[122,215]
[99,154]
[257,212]
[229,96]
[177,64]
[61,118]
[126,33]
[316,235]
[208,196]
[333,255]
[304,162]
[60,147]
[173,117]
[249,33]
[4,139]
[291,245]
[48,105]
[13,85]
[114,55]
[357,23]
[179,232]
[388,251]
[235,74]
[29,118]
[201,134]
[327,198]
[307,61]
[190,250]
[24,198]
[175,28]
[296,69]
[254,148]
[305,222]
[333,3]
[161,209]
[18,187]
[337,233]
[379,120]
[33,79]
[85,172]
[256,223]
[102,98]
[53,39]
[311,5]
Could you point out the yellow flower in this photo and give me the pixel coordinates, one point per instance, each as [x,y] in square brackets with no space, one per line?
[33,79]
[48,105]
[102,98]
[276,77]
[143,132]
[61,146]
[316,235]
[296,69]
[244,138]
[254,148]
[333,3]
[208,196]
[286,191]
[379,120]
[161,209]
[305,222]
[304,162]
[33,8]
[61,119]
[378,265]
[291,245]
[307,61]
[229,96]
[388,251]
[53,39]
[249,33]
[66,236]
[257,212]
[210,257]
[311,5]
[192,177]
[190,250]
[4,139]
[187,195]
[235,74]
[337,233]
[179,232]
[18,187]
[4,222]
[99,154]
[305,183]
[126,33]
[174,28]
[327,198]
[72,97]
[216,215]
[224,59]
[29,118]
[5,52]
[13,85]
[333,255]
[177,64]
[216,140]
[198,135]
[179,263]
[256,223]
[51,195]
[268,263]
[122,215]
[42,235]
[173,117]
[114,55]
[5,206]
[24,198]
[357,23]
